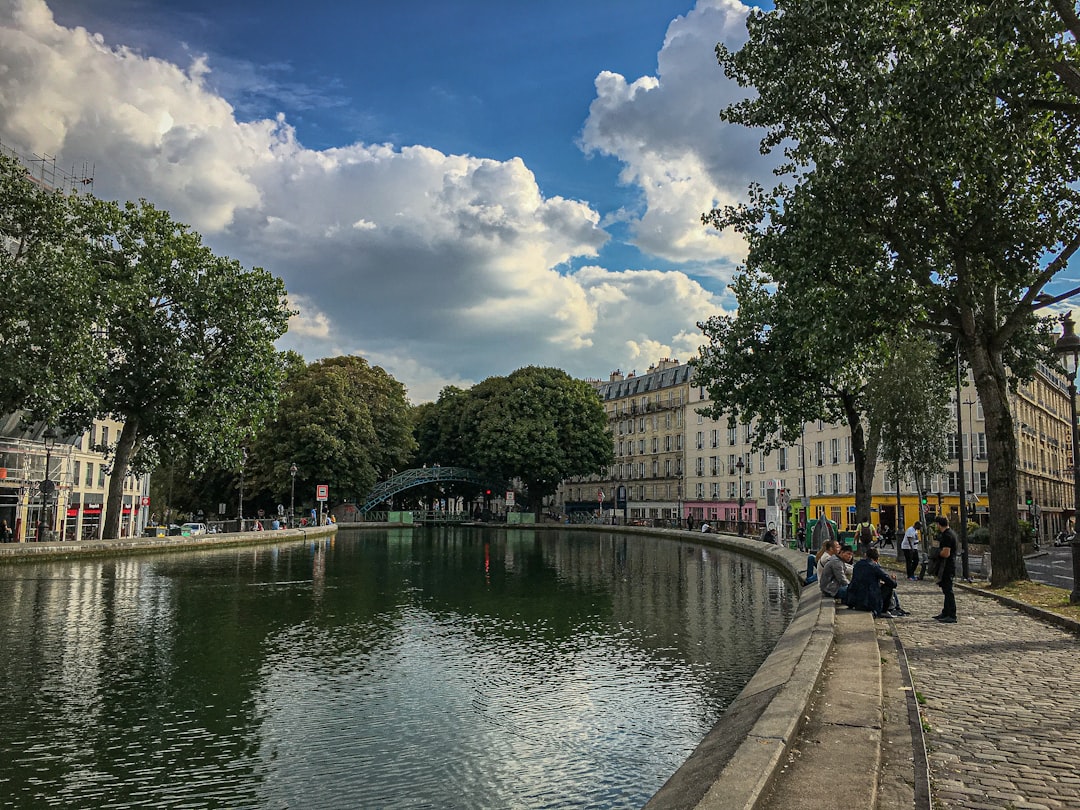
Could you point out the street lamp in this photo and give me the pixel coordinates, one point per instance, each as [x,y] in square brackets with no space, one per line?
[1068,347]
[240,505]
[47,485]
[739,466]
[292,495]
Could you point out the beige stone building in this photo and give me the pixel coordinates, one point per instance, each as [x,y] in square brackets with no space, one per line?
[73,507]
[674,463]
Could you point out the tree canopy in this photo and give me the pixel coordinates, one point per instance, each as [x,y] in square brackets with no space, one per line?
[120,311]
[343,423]
[538,425]
[925,148]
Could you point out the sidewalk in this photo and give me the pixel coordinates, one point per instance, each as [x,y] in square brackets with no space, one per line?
[1000,708]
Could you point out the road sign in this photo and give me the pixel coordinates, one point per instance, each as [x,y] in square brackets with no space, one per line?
[145,500]
[322,492]
[509,497]
[600,495]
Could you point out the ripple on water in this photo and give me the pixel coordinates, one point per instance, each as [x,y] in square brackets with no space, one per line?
[376,673]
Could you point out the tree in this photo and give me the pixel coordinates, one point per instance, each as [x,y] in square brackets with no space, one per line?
[189,338]
[911,409]
[47,335]
[343,423]
[929,133]
[538,425]
[788,356]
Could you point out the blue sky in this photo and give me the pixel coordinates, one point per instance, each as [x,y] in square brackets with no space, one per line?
[451,191]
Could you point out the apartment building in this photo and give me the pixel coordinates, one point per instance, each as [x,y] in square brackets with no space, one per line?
[647,416]
[673,462]
[71,506]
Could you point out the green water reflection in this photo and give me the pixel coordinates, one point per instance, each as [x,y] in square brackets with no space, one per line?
[453,668]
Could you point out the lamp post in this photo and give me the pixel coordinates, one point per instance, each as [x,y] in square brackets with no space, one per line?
[240,505]
[47,486]
[742,499]
[292,495]
[1068,348]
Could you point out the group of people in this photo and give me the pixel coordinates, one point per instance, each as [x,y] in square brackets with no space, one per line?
[865,585]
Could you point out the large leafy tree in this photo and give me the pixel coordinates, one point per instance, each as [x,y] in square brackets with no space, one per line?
[343,423]
[48,347]
[935,135]
[538,425]
[190,341]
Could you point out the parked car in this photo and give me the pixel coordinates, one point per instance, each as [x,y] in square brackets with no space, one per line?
[192,529]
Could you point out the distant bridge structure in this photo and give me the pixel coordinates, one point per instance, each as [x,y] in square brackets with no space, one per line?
[384,490]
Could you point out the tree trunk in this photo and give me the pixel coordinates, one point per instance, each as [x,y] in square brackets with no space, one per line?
[114,503]
[1002,489]
[864,449]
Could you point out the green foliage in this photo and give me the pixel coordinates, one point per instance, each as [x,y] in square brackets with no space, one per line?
[907,399]
[538,425]
[48,347]
[343,423]
[933,163]
[117,310]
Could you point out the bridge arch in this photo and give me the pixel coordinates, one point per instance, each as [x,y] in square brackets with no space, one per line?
[415,478]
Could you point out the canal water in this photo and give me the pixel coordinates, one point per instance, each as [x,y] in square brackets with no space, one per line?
[414,668]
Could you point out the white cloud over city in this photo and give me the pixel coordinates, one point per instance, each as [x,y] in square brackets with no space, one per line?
[442,268]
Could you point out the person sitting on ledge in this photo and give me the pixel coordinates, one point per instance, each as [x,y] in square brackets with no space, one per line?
[833,578]
[871,588]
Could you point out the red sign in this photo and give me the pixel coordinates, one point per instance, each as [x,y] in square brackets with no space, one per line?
[145,500]
[322,492]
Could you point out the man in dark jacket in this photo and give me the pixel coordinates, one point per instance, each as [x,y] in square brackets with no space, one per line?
[871,588]
[947,542]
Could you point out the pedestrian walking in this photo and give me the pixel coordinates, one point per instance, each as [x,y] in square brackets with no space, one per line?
[866,535]
[910,546]
[947,542]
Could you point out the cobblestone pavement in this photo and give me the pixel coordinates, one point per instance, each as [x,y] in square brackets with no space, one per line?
[1002,711]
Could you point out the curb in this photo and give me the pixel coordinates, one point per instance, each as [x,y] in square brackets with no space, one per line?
[84,549]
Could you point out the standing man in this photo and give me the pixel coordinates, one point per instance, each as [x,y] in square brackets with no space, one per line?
[866,535]
[947,541]
[910,546]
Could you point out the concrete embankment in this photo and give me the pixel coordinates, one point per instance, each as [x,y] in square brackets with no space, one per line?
[23,552]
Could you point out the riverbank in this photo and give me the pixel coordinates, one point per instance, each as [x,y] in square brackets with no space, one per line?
[24,552]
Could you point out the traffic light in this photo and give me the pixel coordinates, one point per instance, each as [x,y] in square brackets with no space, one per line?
[1027,497]
[924,500]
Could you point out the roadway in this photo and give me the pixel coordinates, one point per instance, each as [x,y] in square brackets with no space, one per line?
[1051,566]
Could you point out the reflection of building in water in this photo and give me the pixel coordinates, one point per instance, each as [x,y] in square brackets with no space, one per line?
[723,600]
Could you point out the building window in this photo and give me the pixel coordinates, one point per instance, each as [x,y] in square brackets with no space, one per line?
[851,482]
[701,492]
[819,484]
[101,475]
[89,474]
[781,459]
[835,483]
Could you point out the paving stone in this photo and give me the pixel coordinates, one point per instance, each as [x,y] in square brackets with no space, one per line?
[1002,719]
